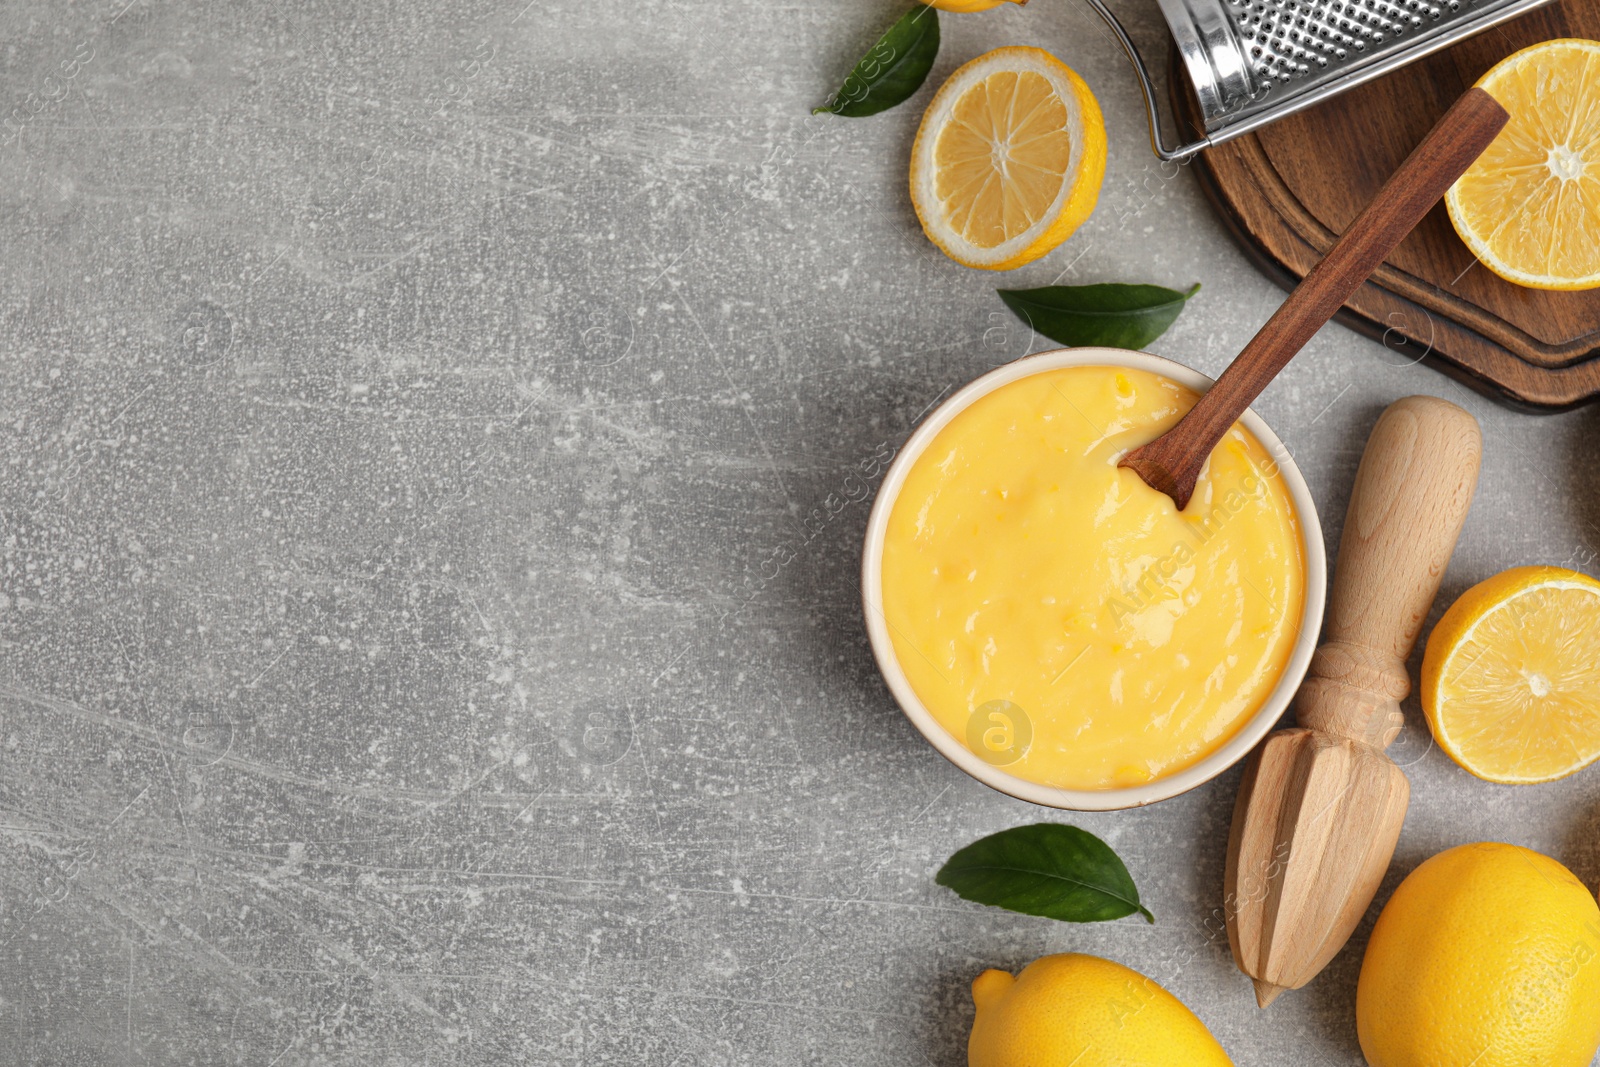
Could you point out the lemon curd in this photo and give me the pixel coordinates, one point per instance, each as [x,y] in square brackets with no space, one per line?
[1063,619]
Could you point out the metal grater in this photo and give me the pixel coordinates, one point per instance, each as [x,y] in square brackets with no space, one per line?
[1251,62]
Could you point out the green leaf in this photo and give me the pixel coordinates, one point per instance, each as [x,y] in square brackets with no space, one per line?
[1060,872]
[892,69]
[1117,316]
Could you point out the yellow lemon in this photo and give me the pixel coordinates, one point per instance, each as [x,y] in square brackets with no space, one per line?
[968,6]
[1511,676]
[1486,956]
[1082,1011]
[1529,208]
[1009,159]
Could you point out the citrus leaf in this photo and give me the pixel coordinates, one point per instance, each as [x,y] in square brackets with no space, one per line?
[1059,872]
[892,69]
[1117,316]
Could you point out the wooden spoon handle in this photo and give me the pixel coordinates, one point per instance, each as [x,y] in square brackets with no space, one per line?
[1172,462]
[1411,495]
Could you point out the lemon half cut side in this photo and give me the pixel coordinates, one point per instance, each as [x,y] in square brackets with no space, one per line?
[1529,208]
[1009,159]
[1511,676]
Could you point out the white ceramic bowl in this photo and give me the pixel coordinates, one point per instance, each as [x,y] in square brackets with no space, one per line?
[1254,729]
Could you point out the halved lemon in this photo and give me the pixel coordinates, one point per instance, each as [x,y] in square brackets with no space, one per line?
[1511,676]
[1529,208]
[1009,159]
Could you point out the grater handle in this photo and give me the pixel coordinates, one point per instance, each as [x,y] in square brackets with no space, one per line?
[1172,462]
[1147,86]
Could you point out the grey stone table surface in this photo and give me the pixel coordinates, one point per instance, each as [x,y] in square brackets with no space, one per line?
[429,534]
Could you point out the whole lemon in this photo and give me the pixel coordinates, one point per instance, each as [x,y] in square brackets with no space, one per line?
[1084,1011]
[1485,956]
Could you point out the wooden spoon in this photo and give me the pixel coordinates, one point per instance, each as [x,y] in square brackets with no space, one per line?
[1172,462]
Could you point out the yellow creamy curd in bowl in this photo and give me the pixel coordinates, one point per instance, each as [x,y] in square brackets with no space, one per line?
[1060,629]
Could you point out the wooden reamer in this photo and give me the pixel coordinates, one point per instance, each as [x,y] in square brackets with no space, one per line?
[1321,805]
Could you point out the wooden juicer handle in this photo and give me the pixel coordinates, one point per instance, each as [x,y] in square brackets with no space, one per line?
[1321,805]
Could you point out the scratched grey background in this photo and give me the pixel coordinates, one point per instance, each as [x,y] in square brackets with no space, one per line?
[429,505]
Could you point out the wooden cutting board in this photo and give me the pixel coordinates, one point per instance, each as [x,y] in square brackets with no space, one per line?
[1287,190]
